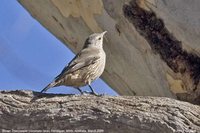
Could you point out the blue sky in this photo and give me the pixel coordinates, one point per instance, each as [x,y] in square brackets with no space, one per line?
[30,56]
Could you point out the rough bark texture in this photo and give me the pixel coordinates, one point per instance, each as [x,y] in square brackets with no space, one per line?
[121,114]
[152,46]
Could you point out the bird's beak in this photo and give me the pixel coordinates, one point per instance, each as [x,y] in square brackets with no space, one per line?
[104,36]
[103,33]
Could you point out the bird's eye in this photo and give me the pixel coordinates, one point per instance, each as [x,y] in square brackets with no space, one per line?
[99,38]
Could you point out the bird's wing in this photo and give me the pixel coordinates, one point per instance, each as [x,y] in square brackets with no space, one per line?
[82,59]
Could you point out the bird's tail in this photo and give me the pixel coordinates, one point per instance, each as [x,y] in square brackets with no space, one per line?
[52,84]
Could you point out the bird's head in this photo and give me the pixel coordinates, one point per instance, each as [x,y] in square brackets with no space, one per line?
[95,40]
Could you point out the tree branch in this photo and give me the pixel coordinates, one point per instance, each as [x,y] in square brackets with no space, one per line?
[28,110]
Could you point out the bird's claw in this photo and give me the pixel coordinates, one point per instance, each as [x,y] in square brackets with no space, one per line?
[85,93]
[92,93]
[103,94]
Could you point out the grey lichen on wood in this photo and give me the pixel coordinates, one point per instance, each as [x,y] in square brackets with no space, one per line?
[120,114]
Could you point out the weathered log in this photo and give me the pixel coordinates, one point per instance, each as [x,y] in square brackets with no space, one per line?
[33,111]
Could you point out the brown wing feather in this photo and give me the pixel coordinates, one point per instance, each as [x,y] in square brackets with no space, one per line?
[82,59]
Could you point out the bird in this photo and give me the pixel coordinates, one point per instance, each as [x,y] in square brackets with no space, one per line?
[85,67]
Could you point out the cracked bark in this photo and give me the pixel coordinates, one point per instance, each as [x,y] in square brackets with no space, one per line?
[168,47]
[122,114]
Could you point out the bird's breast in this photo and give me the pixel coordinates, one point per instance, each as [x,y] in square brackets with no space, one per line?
[87,74]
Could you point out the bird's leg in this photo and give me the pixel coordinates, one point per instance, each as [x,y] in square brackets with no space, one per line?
[79,90]
[93,92]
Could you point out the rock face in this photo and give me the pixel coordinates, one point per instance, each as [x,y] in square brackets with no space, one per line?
[152,46]
[27,110]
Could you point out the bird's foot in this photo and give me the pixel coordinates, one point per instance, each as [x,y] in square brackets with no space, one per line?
[103,94]
[94,93]
[91,93]
[85,93]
